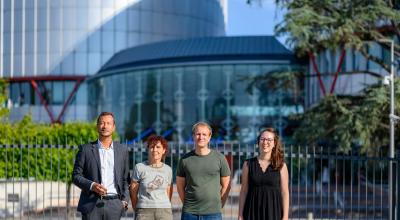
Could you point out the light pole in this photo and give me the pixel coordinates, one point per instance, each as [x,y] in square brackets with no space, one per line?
[393,119]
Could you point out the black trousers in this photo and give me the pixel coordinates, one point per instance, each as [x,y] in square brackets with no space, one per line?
[105,210]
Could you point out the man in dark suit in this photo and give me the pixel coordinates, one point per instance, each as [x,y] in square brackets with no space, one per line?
[101,170]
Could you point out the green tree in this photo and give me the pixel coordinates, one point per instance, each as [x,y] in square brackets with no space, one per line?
[3,98]
[347,121]
[313,26]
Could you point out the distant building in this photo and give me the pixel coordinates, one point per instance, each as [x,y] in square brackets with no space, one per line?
[47,48]
[165,87]
[159,65]
[354,74]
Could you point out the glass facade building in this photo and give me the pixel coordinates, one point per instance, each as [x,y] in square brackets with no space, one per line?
[356,72]
[77,37]
[164,88]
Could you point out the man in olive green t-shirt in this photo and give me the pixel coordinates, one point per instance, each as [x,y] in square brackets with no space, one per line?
[203,178]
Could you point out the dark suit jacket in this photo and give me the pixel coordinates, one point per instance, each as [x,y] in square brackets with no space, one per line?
[87,170]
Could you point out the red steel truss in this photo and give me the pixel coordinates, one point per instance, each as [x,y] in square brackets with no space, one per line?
[33,81]
[338,69]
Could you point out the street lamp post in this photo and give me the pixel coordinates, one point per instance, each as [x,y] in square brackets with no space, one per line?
[393,119]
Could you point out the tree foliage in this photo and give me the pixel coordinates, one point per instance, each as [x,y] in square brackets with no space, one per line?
[3,98]
[312,26]
[41,151]
[345,122]
[315,25]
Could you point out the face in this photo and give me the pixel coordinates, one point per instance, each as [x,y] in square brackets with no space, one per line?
[106,126]
[202,136]
[156,151]
[266,142]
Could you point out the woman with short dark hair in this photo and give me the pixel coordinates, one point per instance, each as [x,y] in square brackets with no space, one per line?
[151,186]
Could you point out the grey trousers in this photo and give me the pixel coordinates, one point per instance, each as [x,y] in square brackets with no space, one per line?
[105,210]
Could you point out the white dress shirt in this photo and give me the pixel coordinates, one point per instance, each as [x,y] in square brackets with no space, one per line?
[107,167]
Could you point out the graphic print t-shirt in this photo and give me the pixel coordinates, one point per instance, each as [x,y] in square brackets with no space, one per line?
[153,183]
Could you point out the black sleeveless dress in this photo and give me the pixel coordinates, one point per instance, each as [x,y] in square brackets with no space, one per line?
[264,199]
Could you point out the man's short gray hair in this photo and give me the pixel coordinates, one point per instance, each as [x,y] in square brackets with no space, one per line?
[201,123]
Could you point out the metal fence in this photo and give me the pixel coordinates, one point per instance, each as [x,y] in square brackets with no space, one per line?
[36,181]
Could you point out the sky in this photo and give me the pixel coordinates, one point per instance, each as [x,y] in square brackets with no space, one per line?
[254,19]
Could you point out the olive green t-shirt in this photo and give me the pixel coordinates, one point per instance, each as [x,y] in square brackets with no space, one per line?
[202,175]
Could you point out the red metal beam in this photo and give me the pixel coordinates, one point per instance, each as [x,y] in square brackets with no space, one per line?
[33,81]
[318,73]
[42,100]
[314,64]
[66,103]
[339,67]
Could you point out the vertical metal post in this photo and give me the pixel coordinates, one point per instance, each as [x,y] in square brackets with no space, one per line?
[397,183]
[392,121]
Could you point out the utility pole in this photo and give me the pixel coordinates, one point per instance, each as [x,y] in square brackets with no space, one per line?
[393,119]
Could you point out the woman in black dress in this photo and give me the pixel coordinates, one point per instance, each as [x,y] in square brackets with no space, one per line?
[264,193]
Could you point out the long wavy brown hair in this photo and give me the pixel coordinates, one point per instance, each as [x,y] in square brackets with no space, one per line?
[277,155]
